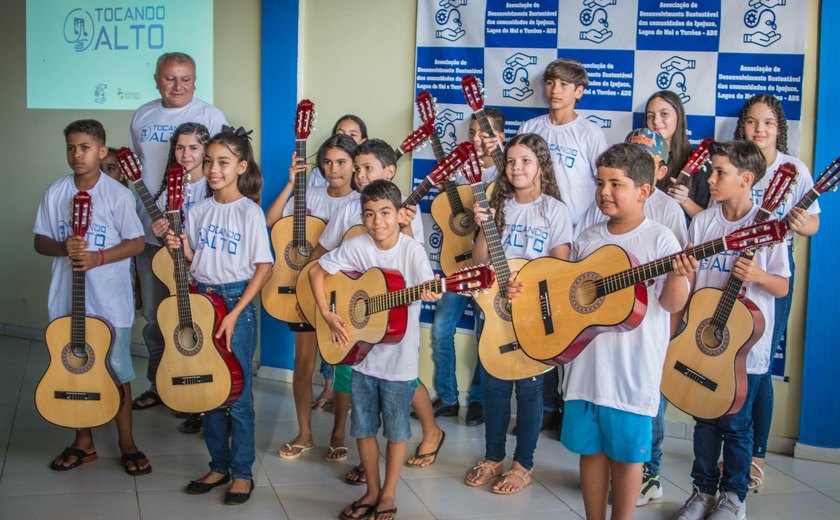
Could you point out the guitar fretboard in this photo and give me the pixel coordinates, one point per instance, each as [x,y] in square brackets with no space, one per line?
[182,290]
[494,241]
[77,311]
[484,125]
[401,297]
[299,215]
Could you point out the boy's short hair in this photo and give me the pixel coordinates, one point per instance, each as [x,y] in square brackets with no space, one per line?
[650,141]
[90,127]
[744,155]
[379,149]
[567,69]
[381,189]
[636,163]
[496,117]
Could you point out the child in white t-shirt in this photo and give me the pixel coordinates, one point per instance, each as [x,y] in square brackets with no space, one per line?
[612,387]
[389,369]
[349,125]
[114,236]
[736,167]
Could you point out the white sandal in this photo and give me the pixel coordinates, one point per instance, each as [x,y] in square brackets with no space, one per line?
[755,480]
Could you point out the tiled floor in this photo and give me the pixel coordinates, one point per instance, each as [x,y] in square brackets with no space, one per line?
[309,488]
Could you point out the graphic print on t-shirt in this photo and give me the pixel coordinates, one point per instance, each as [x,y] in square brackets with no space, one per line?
[219,238]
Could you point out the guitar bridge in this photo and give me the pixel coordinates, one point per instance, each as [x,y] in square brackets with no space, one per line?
[77,396]
[695,376]
[545,308]
[509,347]
[466,255]
[192,380]
[286,290]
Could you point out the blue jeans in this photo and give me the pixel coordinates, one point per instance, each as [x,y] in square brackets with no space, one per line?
[762,413]
[658,436]
[551,394]
[497,417]
[152,292]
[448,312]
[736,435]
[236,455]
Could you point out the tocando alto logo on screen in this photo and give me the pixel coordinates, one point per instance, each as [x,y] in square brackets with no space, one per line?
[115,28]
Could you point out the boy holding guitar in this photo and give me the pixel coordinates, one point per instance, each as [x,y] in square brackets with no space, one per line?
[382,385]
[611,387]
[737,167]
[114,236]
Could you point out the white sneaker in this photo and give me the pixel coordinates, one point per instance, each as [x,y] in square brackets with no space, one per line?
[728,507]
[696,506]
[651,489]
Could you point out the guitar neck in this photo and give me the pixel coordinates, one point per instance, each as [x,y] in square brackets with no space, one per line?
[78,311]
[437,148]
[389,300]
[299,215]
[147,200]
[484,125]
[182,289]
[449,186]
[808,199]
[494,241]
[419,192]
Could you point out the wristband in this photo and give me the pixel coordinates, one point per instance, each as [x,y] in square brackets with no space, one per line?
[101,257]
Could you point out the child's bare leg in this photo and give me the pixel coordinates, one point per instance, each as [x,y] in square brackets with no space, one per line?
[387,499]
[125,433]
[432,434]
[305,345]
[369,454]
[626,482]
[595,483]
[341,407]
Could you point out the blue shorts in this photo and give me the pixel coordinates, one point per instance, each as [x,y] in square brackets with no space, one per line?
[379,402]
[121,365]
[589,428]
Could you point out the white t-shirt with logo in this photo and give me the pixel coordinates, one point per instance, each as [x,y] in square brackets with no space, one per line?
[574,148]
[228,239]
[320,204]
[151,128]
[350,215]
[659,207]
[715,271]
[109,292]
[195,193]
[533,229]
[623,370]
[389,361]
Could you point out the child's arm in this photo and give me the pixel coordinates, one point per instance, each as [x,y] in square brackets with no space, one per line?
[260,278]
[275,211]
[160,227]
[410,212]
[746,270]
[801,222]
[678,283]
[84,260]
[174,242]
[336,324]
[46,246]
[480,251]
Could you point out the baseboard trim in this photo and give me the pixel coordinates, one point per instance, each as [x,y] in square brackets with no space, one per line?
[805,451]
[275,374]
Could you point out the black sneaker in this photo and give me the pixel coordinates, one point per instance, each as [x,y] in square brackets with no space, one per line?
[442,409]
[191,424]
[475,414]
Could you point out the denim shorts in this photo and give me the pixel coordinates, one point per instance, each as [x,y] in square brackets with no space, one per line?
[622,436]
[379,402]
[120,357]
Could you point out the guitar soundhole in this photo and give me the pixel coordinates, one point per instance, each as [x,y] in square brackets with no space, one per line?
[583,296]
[188,340]
[501,305]
[711,340]
[358,308]
[462,224]
[77,360]
[297,256]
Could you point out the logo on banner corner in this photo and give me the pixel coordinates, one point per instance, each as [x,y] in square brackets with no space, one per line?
[79,29]
[672,77]
[762,18]
[449,18]
[595,14]
[516,74]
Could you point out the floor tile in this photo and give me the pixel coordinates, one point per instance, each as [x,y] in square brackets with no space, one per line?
[90,506]
[813,506]
[326,500]
[263,505]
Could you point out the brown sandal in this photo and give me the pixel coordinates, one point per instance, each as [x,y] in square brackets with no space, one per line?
[522,476]
[482,473]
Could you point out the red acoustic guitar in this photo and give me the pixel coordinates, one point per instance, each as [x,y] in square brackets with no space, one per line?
[695,161]
[197,372]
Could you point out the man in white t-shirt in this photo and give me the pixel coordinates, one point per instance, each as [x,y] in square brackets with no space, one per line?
[151,128]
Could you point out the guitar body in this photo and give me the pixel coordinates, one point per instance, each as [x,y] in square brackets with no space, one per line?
[704,376]
[196,373]
[558,314]
[78,392]
[458,230]
[346,293]
[164,268]
[279,296]
[354,231]
[498,348]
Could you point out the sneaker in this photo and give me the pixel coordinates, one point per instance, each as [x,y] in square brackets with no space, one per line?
[696,506]
[475,414]
[191,424]
[728,507]
[651,488]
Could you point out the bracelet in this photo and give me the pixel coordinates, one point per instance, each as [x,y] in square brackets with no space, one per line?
[101,257]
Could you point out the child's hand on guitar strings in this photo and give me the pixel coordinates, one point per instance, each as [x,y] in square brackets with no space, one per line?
[298,166]
[683,264]
[160,227]
[337,329]
[481,214]
[80,258]
[514,288]
[430,296]
[796,219]
[746,270]
[173,241]
[679,192]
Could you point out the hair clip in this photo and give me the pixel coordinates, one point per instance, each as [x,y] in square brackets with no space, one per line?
[238,132]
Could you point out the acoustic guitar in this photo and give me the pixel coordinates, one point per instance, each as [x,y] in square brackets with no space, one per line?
[293,237]
[564,304]
[197,373]
[705,371]
[78,389]
[696,160]
[374,308]
[445,169]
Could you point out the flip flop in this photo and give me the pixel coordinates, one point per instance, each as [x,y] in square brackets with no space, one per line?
[356,506]
[291,447]
[81,458]
[135,459]
[424,456]
[378,514]
[360,472]
[322,403]
[148,394]
[331,456]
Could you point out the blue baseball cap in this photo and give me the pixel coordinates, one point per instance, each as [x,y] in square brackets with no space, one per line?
[650,141]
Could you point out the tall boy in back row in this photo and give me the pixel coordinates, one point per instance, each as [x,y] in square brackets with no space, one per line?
[736,167]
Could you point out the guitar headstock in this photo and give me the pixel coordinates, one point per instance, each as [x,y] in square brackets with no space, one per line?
[697,158]
[829,178]
[129,164]
[453,162]
[780,186]
[304,119]
[417,138]
[175,186]
[426,107]
[755,236]
[470,280]
[471,86]
[82,211]
[472,168]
